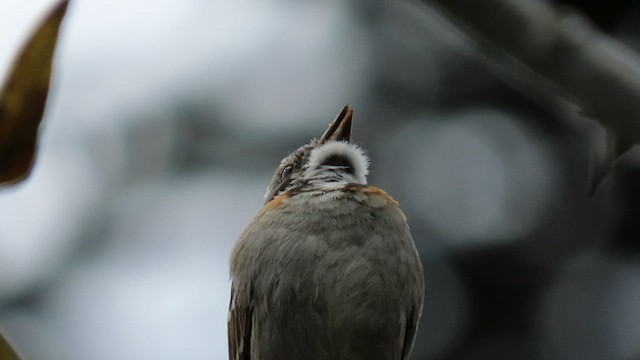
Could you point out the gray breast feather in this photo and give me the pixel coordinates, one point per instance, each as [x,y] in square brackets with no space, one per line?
[319,286]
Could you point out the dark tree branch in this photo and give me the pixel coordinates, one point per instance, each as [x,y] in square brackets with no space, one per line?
[585,66]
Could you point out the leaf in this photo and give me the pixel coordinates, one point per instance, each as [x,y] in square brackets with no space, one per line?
[22,102]
[24,96]
[6,353]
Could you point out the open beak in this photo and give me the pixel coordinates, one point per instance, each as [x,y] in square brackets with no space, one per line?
[340,129]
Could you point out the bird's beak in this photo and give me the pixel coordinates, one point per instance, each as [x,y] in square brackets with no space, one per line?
[340,129]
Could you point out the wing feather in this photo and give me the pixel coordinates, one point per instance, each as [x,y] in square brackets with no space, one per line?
[410,333]
[239,327]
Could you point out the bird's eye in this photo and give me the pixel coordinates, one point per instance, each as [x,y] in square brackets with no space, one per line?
[286,172]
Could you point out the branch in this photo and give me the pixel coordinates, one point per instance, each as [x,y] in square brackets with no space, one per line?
[586,67]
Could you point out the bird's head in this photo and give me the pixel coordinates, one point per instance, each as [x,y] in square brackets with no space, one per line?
[329,160]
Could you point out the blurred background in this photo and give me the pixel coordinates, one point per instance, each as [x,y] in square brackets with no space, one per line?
[167,118]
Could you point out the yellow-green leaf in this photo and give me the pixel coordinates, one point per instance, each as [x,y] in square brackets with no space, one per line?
[6,353]
[23,98]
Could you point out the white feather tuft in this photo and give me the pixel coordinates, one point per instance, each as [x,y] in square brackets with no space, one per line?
[354,153]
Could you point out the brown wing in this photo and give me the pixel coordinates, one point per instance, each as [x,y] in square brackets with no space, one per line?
[239,327]
[410,333]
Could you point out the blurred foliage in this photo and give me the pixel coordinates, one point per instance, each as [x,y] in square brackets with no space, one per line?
[23,98]
[6,353]
[22,102]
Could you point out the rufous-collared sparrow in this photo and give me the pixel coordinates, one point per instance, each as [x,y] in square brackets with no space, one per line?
[327,269]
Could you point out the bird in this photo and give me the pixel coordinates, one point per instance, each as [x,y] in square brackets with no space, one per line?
[327,268]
